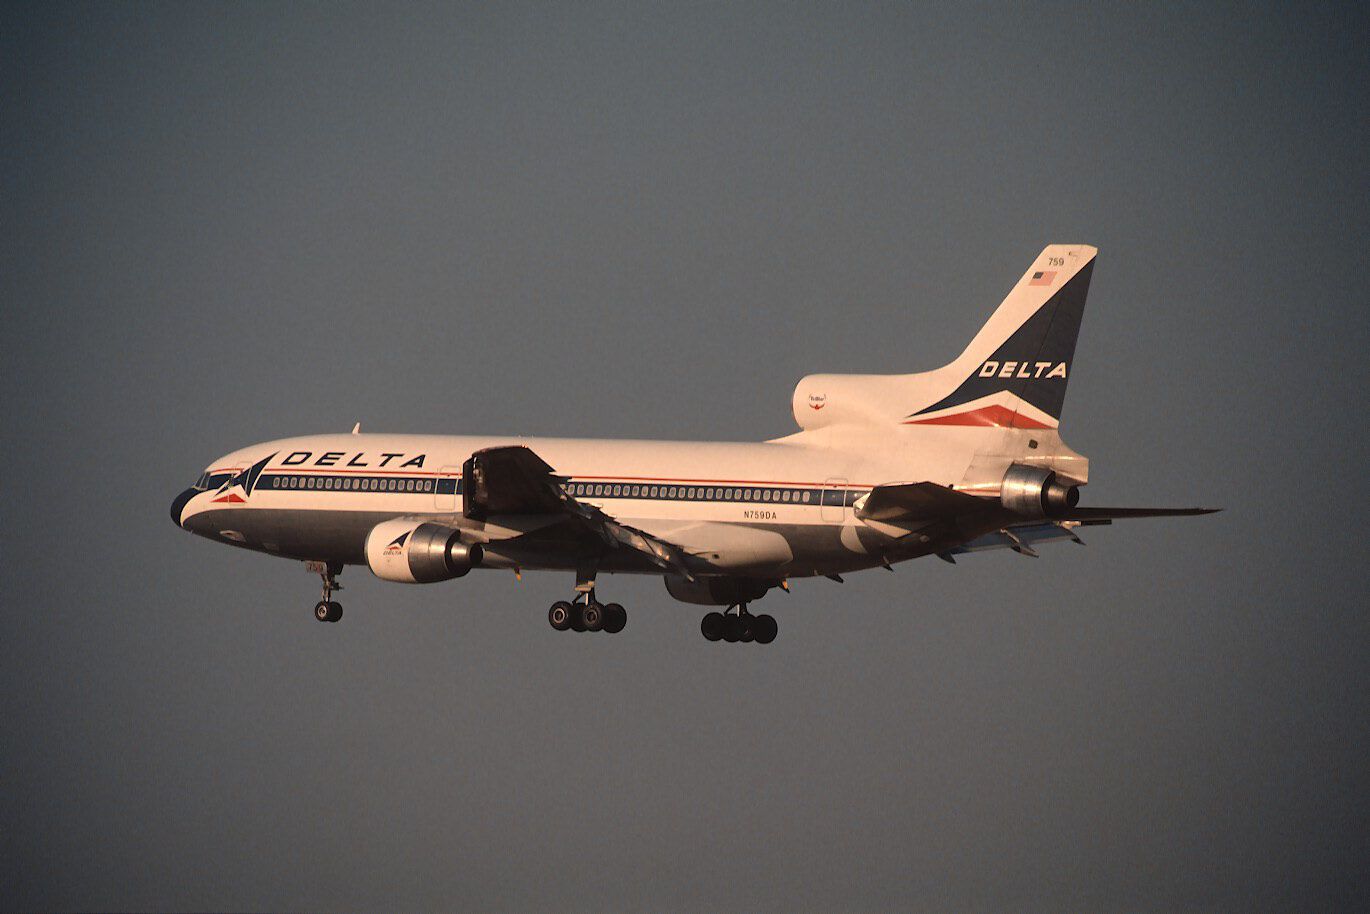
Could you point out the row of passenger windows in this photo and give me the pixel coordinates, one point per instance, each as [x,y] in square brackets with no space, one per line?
[688,493]
[349,484]
[583,489]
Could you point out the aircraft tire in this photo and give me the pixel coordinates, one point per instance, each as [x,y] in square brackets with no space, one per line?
[336,612]
[322,611]
[765,629]
[559,615]
[732,629]
[615,618]
[746,629]
[577,617]
[592,617]
[711,626]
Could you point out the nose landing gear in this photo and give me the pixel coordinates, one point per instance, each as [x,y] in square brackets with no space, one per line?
[743,627]
[326,610]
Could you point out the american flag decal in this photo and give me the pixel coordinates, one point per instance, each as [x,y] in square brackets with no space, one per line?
[1042,278]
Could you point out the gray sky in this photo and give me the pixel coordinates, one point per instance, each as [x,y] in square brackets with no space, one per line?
[226,224]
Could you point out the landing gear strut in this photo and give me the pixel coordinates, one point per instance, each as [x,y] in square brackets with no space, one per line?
[742,627]
[326,610]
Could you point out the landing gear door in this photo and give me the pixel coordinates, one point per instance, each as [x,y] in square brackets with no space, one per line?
[833,502]
[445,493]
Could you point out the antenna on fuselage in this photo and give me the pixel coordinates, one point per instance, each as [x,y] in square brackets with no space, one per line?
[356,429]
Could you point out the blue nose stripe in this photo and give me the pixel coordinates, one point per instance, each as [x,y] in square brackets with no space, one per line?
[180,503]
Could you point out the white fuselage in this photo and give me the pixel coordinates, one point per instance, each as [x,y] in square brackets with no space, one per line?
[781,507]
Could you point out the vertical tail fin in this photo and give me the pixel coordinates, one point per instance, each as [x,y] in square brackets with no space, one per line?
[1014,373]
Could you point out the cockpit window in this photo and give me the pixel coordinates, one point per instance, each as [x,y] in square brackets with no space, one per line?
[206,481]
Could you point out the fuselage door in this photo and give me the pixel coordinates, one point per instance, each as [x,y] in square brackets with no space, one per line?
[445,493]
[833,504]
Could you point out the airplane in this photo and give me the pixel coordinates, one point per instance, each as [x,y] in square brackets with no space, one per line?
[884,468]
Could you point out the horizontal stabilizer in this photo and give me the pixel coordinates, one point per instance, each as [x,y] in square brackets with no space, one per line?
[1098,514]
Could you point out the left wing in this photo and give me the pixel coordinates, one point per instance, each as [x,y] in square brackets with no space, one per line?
[512,480]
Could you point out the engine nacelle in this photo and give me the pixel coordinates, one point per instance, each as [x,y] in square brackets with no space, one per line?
[717,591]
[414,552]
[1036,492]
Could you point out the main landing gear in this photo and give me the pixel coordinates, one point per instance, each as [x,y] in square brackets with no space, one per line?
[743,627]
[587,616]
[585,613]
[326,610]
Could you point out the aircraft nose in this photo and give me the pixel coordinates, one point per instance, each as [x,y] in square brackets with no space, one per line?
[179,505]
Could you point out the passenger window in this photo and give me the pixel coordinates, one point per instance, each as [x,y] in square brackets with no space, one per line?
[806,498]
[654,491]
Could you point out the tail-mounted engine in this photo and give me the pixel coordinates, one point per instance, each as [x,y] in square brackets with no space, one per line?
[413,552]
[1037,492]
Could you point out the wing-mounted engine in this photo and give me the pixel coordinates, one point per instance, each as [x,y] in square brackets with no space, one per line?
[416,552]
[1037,492]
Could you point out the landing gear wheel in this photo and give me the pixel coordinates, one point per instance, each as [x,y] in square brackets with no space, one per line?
[711,626]
[747,629]
[732,629]
[764,629]
[615,617]
[592,616]
[326,610]
[559,616]
[577,617]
